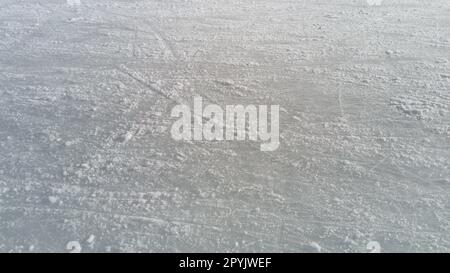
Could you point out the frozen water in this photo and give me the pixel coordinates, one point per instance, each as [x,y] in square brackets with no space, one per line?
[86,89]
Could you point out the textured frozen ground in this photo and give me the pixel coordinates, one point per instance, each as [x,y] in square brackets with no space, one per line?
[365,125]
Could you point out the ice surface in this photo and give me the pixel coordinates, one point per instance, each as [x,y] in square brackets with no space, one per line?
[87,163]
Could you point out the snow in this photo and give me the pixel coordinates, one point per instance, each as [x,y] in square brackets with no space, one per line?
[316,246]
[53,199]
[74,247]
[374,247]
[374,2]
[91,239]
[73,2]
[86,91]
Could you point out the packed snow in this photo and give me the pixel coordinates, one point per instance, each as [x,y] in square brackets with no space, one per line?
[87,162]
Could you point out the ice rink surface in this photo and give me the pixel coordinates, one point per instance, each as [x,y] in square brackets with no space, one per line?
[87,161]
